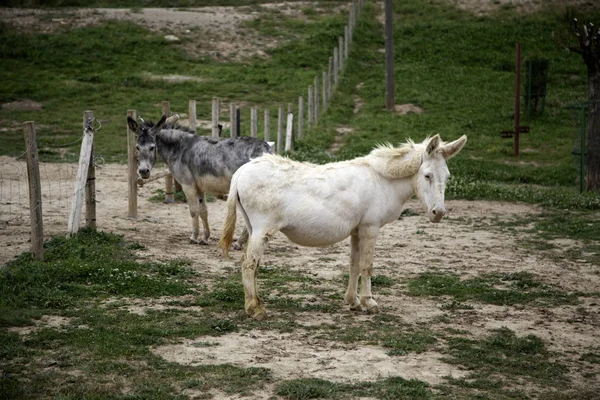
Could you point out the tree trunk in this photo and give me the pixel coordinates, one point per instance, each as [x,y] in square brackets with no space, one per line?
[593,128]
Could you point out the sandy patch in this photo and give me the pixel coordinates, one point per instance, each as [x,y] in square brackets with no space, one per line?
[292,356]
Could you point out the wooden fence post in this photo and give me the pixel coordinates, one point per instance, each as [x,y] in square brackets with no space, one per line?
[192,115]
[300,117]
[346,38]
[279,130]
[310,107]
[253,121]
[165,108]
[132,168]
[215,117]
[169,198]
[267,136]
[324,90]
[330,80]
[79,188]
[335,66]
[341,50]
[90,185]
[316,100]
[233,124]
[35,191]
[289,129]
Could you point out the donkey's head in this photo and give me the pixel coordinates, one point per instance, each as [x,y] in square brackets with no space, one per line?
[430,181]
[146,143]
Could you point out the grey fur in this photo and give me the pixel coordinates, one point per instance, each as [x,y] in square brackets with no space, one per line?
[200,164]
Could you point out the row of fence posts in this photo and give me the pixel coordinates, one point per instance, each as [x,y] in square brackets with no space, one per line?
[84,186]
[315,107]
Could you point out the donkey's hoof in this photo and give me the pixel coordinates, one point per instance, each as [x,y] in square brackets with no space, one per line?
[236,246]
[355,307]
[370,305]
[199,241]
[373,310]
[259,313]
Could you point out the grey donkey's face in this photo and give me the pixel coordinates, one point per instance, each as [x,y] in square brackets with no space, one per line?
[146,143]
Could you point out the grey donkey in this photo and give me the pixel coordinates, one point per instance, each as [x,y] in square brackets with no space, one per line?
[200,164]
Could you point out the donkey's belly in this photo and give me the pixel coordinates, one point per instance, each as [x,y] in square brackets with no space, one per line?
[315,237]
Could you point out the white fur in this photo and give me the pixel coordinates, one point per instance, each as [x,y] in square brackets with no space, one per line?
[319,205]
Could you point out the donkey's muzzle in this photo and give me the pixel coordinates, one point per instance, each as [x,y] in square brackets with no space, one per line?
[144,173]
[436,215]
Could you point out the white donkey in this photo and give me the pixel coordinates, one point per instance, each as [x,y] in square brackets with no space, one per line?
[319,205]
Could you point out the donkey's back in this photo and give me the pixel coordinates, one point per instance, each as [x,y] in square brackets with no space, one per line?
[215,160]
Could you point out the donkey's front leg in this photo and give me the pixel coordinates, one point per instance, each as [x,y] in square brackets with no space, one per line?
[350,297]
[367,239]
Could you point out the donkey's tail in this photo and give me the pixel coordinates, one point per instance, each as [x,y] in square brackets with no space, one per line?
[229,225]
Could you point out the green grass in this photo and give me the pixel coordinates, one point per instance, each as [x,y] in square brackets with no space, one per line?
[505,356]
[456,66]
[390,388]
[498,289]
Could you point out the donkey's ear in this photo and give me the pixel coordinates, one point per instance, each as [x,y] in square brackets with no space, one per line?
[433,144]
[133,126]
[452,148]
[160,123]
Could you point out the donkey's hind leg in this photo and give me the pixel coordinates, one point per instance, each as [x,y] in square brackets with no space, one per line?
[204,216]
[250,262]
[194,199]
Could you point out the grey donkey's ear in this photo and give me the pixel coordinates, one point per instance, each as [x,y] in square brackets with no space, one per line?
[160,123]
[133,126]
[452,148]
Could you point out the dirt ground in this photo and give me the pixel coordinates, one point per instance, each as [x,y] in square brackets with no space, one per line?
[468,242]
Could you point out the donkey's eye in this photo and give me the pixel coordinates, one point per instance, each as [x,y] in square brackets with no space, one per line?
[137,146]
[152,147]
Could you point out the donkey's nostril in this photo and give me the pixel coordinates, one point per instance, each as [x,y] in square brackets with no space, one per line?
[433,212]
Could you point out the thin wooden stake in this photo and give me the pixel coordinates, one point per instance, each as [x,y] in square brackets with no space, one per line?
[82,175]
[253,122]
[289,129]
[336,67]
[233,120]
[316,102]
[346,39]
[279,130]
[192,115]
[330,80]
[310,107]
[300,117]
[35,191]
[90,185]
[341,50]
[324,90]
[169,191]
[267,135]
[215,117]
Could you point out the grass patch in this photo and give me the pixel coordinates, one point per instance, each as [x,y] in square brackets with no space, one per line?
[77,269]
[389,388]
[498,289]
[504,354]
